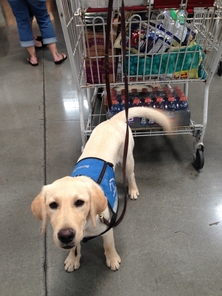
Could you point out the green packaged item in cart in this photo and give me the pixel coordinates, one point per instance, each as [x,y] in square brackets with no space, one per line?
[183,62]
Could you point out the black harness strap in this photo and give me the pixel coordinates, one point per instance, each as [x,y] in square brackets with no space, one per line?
[110,225]
[102,219]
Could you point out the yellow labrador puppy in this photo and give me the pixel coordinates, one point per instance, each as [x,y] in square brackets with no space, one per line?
[81,205]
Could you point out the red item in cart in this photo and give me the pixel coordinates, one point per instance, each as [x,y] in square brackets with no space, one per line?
[136,102]
[159,103]
[147,102]
[183,104]
[160,4]
[95,59]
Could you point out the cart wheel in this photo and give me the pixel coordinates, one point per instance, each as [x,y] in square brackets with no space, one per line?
[199,159]
[219,71]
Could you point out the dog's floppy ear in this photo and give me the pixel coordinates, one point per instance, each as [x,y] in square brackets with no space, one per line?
[98,203]
[38,208]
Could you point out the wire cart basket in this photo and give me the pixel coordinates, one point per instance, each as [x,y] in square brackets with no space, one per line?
[168,43]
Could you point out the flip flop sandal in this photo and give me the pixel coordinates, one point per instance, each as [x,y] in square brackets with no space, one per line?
[62,60]
[39,38]
[41,47]
[29,61]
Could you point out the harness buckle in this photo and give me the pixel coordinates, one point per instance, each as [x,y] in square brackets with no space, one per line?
[101,218]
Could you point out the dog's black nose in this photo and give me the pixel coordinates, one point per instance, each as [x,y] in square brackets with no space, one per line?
[66,235]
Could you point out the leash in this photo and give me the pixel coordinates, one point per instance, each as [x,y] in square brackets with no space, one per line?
[123,33]
[108,29]
[114,221]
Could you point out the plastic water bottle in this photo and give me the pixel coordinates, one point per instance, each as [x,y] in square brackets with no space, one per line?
[168,92]
[170,107]
[160,103]
[178,93]
[182,116]
[136,102]
[178,15]
[178,31]
[156,92]
[133,93]
[170,104]
[182,103]
[122,102]
[113,92]
[115,108]
[143,121]
[147,102]
[145,92]
[122,91]
[134,90]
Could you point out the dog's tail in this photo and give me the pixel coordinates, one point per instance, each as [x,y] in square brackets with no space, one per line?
[148,113]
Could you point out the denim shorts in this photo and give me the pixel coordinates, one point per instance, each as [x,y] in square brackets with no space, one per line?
[24,10]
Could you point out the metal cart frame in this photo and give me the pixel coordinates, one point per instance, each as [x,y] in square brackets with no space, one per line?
[206,22]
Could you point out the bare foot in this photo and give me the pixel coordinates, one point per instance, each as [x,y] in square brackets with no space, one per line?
[33,60]
[59,58]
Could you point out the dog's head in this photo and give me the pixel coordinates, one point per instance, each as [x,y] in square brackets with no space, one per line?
[69,203]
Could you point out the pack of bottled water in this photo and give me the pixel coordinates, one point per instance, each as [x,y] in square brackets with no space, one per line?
[170,100]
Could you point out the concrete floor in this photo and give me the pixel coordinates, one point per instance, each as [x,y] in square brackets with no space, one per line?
[170,240]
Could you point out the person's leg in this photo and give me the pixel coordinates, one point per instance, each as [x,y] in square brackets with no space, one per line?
[22,16]
[39,10]
[38,43]
[56,55]
[33,58]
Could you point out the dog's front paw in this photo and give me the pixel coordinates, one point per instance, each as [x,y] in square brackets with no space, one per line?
[113,262]
[72,262]
[134,193]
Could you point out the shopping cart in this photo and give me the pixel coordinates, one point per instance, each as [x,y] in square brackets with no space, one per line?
[168,42]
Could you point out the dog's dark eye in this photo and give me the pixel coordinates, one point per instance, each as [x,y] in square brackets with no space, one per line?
[53,205]
[79,203]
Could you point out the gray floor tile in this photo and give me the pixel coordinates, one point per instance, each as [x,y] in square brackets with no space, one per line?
[170,239]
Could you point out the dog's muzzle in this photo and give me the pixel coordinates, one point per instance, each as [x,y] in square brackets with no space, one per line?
[66,236]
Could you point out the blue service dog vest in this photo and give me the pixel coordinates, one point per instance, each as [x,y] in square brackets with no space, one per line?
[103,174]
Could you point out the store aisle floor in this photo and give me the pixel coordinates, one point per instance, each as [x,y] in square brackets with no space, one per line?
[170,240]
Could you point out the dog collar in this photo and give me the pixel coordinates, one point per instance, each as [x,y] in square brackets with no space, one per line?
[103,174]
